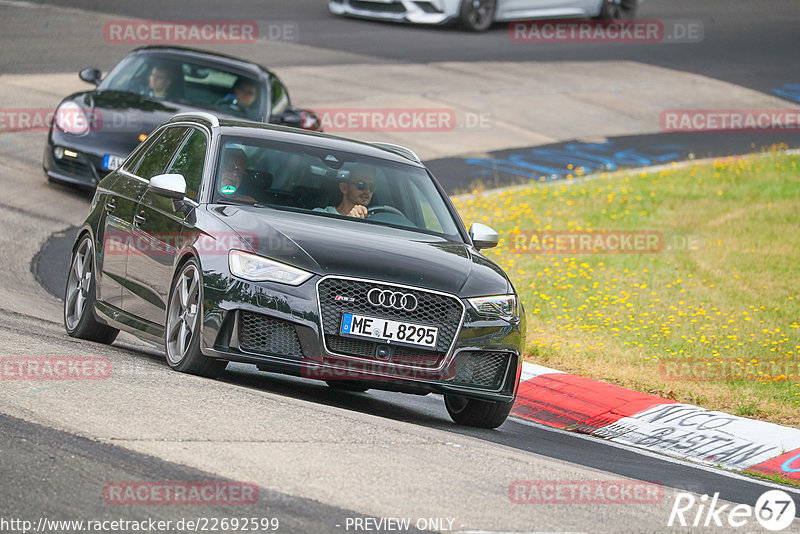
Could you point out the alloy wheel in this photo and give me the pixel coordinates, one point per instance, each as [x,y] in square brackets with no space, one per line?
[78,284]
[182,315]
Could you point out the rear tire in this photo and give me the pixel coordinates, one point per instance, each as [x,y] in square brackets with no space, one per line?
[347,385]
[477,413]
[182,331]
[618,10]
[79,297]
[477,15]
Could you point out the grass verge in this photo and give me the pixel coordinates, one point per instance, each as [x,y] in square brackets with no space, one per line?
[773,478]
[681,283]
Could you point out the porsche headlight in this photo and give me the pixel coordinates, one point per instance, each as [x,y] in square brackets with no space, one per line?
[71,119]
[259,269]
[502,306]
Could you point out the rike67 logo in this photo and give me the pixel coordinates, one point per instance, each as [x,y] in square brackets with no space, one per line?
[774,510]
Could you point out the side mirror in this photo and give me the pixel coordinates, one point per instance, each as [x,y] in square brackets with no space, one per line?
[289,117]
[91,75]
[483,236]
[172,186]
[300,118]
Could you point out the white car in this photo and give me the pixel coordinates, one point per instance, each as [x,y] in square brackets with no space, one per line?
[478,15]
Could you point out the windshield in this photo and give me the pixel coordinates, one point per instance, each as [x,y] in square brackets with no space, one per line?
[329,183]
[176,80]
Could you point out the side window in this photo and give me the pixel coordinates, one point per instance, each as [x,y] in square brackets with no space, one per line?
[157,157]
[279,97]
[132,164]
[189,162]
[429,218]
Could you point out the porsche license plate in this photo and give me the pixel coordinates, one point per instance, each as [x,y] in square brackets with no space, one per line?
[389,331]
[112,162]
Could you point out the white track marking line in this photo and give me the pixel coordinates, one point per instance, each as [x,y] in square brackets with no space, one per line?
[660,456]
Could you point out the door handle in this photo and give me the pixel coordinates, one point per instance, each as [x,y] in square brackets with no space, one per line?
[139,219]
[111,205]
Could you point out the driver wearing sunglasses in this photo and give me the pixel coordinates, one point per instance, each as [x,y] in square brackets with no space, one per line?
[356,192]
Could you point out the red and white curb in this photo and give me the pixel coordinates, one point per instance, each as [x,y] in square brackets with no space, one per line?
[578,404]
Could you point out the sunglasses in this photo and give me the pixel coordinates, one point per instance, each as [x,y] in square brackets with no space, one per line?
[361,185]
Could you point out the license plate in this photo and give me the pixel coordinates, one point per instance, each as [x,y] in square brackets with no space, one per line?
[112,162]
[389,331]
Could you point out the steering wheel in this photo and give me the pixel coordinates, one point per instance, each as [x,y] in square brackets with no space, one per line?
[384,209]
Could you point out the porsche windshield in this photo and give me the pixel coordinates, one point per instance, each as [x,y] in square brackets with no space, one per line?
[178,80]
[331,183]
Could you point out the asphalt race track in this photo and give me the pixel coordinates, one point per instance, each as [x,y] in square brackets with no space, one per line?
[744,42]
[323,460]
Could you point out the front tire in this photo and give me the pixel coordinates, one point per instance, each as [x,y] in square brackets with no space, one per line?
[79,298]
[477,413]
[182,332]
[477,15]
[618,10]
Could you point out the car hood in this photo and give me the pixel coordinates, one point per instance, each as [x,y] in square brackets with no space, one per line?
[327,246]
[119,118]
[123,113]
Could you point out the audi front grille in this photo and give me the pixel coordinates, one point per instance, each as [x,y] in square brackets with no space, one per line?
[346,295]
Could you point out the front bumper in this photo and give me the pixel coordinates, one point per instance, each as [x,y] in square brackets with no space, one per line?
[417,12]
[285,329]
[85,168]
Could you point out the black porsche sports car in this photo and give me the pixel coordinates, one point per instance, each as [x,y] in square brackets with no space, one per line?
[94,131]
[301,253]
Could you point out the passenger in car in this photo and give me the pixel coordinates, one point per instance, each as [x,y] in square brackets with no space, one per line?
[356,192]
[161,82]
[234,166]
[243,99]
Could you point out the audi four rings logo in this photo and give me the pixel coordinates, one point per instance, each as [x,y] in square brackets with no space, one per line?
[392,299]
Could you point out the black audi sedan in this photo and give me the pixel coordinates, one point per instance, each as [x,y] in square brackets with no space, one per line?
[302,253]
[94,131]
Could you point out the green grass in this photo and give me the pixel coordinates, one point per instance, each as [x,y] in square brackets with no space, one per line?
[726,297]
[773,477]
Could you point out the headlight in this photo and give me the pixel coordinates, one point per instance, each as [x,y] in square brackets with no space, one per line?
[70,118]
[259,269]
[502,306]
